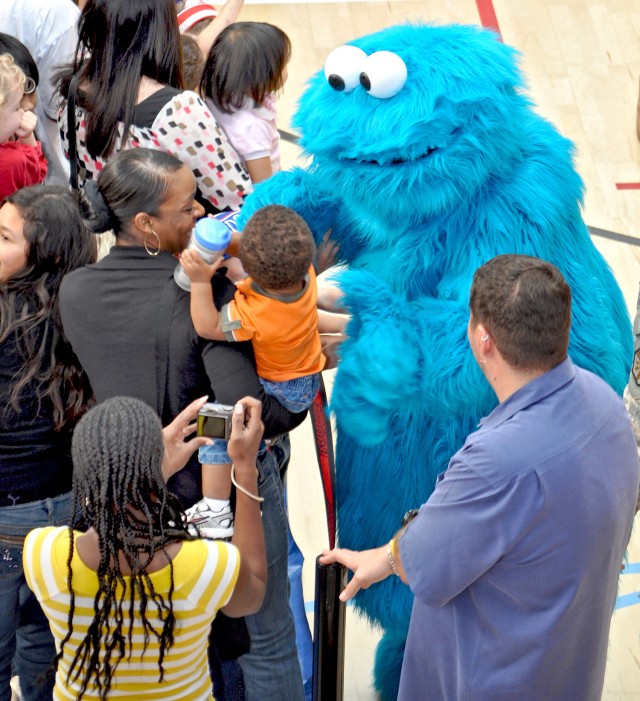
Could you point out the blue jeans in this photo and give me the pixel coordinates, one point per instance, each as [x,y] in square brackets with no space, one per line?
[25,637]
[271,669]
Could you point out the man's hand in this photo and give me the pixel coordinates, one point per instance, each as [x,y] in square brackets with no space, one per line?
[246,431]
[196,269]
[368,567]
[177,450]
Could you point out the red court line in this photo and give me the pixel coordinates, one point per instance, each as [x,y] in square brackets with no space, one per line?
[488,15]
[489,20]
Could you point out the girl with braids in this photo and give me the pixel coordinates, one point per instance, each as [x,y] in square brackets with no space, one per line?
[132,607]
[43,392]
[130,326]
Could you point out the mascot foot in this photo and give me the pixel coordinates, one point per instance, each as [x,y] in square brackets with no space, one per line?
[388,663]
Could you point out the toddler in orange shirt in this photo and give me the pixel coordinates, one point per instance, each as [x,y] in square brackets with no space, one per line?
[276,308]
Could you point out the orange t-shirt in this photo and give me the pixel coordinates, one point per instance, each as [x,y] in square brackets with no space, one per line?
[282,328]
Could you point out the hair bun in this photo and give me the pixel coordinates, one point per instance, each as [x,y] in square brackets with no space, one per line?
[95,211]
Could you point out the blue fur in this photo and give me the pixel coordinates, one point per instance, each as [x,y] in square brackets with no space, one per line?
[501,180]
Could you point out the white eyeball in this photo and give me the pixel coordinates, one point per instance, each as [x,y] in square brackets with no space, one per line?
[343,67]
[383,74]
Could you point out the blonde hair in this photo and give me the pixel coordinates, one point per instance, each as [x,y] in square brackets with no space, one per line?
[11,77]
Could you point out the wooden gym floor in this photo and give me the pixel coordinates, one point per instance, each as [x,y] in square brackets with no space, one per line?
[581,59]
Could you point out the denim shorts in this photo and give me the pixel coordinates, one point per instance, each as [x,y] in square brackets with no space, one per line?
[295,395]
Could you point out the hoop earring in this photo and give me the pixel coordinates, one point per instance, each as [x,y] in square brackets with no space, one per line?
[147,248]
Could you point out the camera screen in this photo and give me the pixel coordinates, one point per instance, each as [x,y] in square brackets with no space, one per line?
[211,426]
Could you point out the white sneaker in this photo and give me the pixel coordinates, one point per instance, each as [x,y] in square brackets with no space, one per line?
[16,694]
[210,523]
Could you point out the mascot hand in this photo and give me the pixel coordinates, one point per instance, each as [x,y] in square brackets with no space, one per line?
[300,191]
[378,372]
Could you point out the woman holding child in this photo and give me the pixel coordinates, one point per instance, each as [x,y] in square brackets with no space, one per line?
[130,326]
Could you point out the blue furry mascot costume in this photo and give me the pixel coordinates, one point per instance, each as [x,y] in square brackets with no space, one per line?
[427,160]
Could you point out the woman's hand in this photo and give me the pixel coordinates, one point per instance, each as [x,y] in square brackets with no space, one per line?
[177,450]
[196,269]
[246,431]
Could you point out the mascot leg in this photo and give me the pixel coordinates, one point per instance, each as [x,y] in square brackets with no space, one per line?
[388,662]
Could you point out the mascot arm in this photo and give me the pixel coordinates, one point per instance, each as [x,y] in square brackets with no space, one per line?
[299,190]
[403,356]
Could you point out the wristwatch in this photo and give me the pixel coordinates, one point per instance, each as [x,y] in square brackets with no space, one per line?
[408,517]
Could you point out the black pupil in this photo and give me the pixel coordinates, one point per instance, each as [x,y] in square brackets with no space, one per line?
[336,82]
[364,81]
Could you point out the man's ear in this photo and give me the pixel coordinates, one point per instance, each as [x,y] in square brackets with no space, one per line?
[484,336]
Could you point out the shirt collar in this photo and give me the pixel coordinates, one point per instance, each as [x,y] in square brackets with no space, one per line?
[532,392]
[286,298]
[125,257]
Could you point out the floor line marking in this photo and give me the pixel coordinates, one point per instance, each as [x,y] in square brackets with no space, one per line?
[627,600]
[488,16]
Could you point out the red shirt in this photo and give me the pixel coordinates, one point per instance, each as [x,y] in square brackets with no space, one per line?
[20,166]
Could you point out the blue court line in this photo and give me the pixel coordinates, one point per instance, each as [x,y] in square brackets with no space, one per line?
[628,600]
[631,568]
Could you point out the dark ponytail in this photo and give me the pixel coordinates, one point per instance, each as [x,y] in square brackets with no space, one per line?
[133,181]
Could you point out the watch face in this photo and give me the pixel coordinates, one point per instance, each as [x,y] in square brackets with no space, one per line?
[409,516]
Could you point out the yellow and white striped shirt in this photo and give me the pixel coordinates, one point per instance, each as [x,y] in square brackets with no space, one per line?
[204,573]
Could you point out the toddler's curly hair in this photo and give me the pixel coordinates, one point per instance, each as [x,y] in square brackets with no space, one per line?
[11,77]
[276,248]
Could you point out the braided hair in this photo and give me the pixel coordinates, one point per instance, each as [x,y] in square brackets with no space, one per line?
[119,489]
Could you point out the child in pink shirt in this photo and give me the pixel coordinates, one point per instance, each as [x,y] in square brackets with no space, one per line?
[245,68]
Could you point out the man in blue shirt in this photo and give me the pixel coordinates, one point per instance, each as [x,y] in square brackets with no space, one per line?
[514,559]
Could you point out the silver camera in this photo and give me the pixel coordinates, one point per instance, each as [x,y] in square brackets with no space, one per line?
[214,421]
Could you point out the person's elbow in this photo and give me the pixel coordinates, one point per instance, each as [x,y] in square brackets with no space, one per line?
[246,600]
[254,604]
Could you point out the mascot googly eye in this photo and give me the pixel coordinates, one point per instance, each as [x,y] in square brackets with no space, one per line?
[383,74]
[343,67]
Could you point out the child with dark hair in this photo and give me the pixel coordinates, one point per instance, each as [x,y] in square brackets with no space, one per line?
[276,309]
[245,68]
[199,24]
[192,62]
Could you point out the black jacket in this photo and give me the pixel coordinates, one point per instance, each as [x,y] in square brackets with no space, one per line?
[111,313]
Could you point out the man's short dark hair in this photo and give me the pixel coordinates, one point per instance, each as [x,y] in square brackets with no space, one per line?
[525,304]
[276,248]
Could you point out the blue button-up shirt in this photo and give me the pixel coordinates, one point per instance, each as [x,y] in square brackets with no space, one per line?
[514,560]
